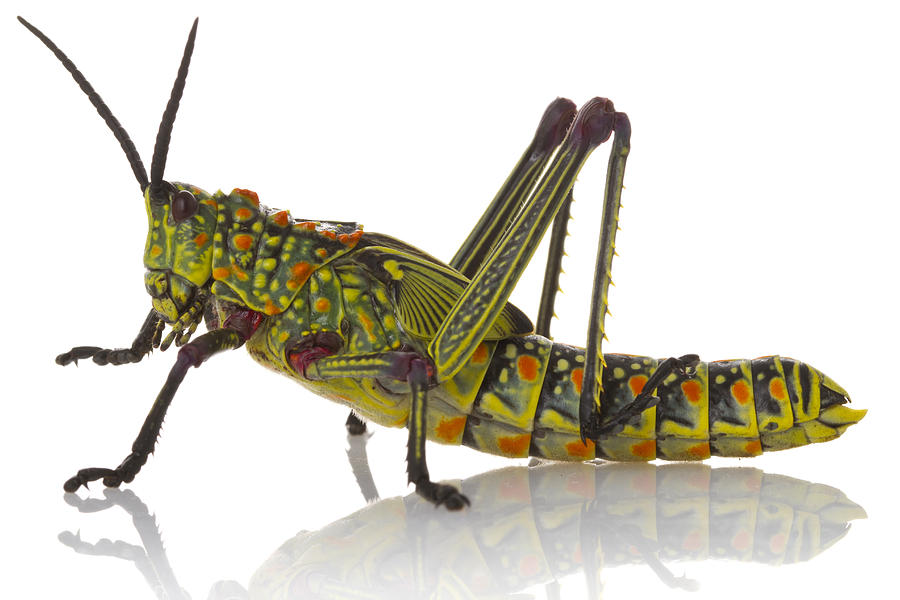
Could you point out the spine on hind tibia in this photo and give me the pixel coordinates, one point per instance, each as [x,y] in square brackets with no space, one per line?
[528,398]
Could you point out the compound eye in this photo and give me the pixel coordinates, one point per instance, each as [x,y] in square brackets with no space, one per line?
[184,206]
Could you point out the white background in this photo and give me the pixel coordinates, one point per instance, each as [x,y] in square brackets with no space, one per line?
[760,217]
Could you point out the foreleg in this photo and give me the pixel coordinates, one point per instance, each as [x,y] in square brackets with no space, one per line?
[147,339]
[193,354]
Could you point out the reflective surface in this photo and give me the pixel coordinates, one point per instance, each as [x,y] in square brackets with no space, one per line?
[527,526]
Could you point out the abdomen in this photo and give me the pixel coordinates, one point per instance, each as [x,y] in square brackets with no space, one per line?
[519,397]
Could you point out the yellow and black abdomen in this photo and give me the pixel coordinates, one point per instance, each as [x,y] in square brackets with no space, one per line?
[523,397]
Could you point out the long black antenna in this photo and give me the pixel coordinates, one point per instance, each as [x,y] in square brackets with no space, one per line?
[131,152]
[161,150]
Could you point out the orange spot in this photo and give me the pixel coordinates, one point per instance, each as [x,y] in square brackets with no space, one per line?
[480,355]
[581,450]
[328,234]
[449,430]
[636,383]
[343,238]
[516,445]
[201,239]
[699,451]
[243,213]
[239,272]
[577,376]
[527,367]
[281,218]
[242,241]
[210,202]
[249,195]
[308,225]
[221,273]
[693,391]
[754,447]
[741,392]
[776,388]
[270,308]
[367,322]
[321,252]
[645,450]
[155,251]
[323,304]
[299,274]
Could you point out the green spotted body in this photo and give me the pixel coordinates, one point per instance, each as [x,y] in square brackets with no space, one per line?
[517,396]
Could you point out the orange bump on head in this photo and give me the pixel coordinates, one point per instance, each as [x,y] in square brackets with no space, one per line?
[242,241]
[329,234]
[527,366]
[645,450]
[693,391]
[242,214]
[581,450]
[777,389]
[637,383]
[449,430]
[577,376]
[321,252]
[307,225]
[741,391]
[201,239]
[323,304]
[515,445]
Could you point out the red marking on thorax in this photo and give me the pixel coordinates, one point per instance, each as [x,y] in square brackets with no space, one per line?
[248,194]
[281,218]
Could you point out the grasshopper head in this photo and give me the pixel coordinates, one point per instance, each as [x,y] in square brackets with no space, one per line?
[178,252]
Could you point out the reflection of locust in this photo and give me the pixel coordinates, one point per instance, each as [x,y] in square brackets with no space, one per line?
[404,339]
[527,527]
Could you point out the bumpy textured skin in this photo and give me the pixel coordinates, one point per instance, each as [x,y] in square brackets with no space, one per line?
[532,526]
[515,397]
